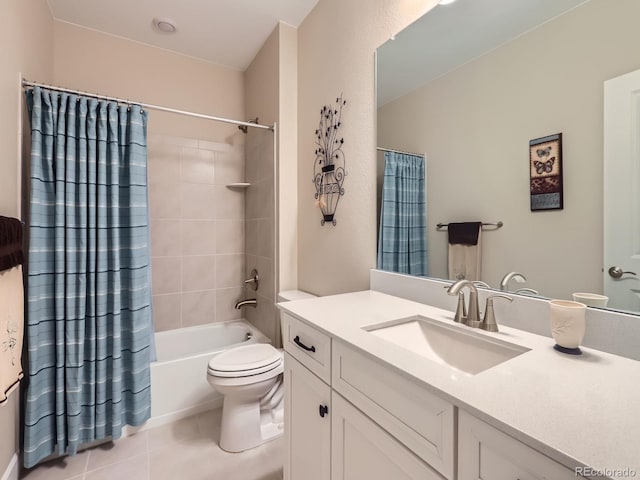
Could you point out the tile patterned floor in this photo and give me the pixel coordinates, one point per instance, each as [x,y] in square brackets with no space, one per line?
[187,449]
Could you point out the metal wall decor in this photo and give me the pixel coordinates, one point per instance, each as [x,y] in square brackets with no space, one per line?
[329,166]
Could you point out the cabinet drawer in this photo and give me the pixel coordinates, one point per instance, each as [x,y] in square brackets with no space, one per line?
[309,346]
[420,420]
[486,453]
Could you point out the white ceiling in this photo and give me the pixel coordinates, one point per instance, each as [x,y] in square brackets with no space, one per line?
[226,32]
[449,36]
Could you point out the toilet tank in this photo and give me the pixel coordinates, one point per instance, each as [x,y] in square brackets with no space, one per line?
[291,295]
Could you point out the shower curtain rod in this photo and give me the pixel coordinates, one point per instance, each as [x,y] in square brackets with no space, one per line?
[28,84]
[380,149]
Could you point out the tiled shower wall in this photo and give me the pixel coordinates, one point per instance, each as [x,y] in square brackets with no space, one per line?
[197,230]
[260,229]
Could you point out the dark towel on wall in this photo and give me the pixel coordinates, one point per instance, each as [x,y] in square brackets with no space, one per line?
[464,233]
[11,254]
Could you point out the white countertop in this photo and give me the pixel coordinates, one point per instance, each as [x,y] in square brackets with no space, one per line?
[579,410]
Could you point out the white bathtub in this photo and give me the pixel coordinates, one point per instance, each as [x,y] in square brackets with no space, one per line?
[179,385]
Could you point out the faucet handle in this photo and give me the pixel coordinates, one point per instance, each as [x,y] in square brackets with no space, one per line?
[489,322]
[461,310]
[253,280]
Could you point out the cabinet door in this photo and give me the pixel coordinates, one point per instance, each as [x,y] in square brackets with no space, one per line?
[307,432]
[420,420]
[360,449]
[485,453]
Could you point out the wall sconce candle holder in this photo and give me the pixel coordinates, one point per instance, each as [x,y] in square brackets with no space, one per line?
[329,166]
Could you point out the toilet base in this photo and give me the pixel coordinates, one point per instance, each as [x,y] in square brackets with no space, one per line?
[246,426]
[270,427]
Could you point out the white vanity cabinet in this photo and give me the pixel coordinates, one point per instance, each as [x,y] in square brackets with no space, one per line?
[361,449]
[307,424]
[350,416]
[328,438]
[486,453]
[419,419]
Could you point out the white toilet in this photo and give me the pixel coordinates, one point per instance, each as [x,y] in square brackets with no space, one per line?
[250,378]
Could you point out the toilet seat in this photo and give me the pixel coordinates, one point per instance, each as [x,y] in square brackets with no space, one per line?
[247,380]
[245,361]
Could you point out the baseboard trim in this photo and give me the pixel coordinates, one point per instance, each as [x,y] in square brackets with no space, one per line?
[11,473]
[172,417]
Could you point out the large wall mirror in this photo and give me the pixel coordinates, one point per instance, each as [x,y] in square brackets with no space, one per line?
[469,85]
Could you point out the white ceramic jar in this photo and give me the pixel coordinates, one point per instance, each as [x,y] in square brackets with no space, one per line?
[568,323]
[591,299]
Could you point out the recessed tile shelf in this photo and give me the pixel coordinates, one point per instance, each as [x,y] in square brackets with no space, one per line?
[238,185]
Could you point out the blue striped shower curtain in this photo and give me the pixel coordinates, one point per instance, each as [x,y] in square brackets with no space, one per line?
[402,241]
[88,286]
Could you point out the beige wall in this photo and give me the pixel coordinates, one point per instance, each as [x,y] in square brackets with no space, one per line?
[26,39]
[287,217]
[475,124]
[270,94]
[336,45]
[92,61]
[261,97]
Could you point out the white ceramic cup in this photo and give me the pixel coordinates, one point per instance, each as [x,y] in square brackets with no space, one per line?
[591,299]
[567,322]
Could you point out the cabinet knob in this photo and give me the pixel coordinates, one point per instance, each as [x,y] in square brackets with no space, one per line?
[324,410]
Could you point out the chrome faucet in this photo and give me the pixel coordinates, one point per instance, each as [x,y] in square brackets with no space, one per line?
[518,277]
[481,284]
[473,317]
[252,302]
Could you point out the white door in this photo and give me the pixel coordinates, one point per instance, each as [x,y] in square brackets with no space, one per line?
[362,450]
[307,424]
[622,191]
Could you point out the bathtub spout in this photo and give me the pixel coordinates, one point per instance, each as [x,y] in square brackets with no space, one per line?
[252,302]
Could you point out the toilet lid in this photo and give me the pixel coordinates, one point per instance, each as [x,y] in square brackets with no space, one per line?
[246,360]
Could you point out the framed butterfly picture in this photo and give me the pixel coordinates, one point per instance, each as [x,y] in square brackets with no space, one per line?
[545,167]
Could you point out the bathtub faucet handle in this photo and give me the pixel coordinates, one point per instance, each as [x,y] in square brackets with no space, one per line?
[253,281]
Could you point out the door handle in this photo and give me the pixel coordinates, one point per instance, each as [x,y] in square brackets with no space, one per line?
[323,410]
[616,272]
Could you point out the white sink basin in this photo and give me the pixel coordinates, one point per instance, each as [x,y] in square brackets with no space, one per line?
[458,347]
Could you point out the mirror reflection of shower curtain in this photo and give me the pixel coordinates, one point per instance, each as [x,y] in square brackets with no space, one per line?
[402,241]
